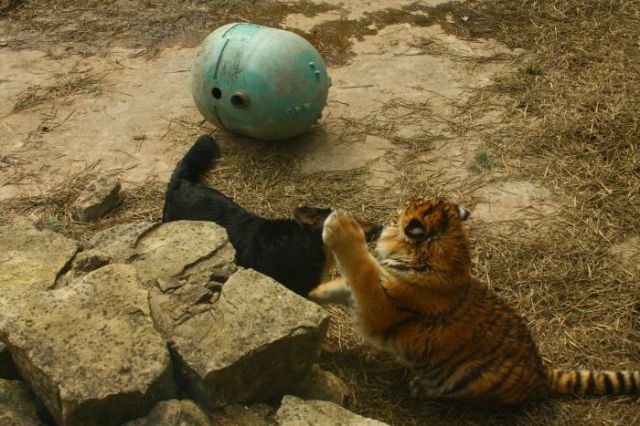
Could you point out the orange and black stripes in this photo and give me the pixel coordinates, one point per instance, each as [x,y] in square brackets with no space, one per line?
[593,383]
[419,301]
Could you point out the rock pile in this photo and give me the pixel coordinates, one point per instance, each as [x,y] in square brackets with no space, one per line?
[115,332]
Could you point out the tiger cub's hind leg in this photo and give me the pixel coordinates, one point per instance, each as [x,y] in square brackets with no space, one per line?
[416,389]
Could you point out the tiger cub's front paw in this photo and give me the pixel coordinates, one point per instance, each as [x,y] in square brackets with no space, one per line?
[342,232]
[336,291]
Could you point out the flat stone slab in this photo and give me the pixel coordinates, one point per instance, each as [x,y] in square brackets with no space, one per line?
[511,201]
[90,350]
[119,242]
[332,156]
[173,413]
[628,252]
[297,412]
[83,263]
[30,262]
[17,407]
[184,250]
[247,343]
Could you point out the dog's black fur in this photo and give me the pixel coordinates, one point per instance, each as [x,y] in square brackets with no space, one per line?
[290,251]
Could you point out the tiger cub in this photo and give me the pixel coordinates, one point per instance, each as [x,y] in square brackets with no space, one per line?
[417,300]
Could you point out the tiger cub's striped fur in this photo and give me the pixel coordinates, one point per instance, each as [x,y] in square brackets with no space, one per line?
[417,299]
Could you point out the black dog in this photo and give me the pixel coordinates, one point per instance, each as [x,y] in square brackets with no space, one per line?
[290,251]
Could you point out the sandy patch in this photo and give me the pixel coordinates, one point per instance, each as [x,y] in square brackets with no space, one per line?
[358,8]
[629,253]
[306,23]
[120,130]
[514,201]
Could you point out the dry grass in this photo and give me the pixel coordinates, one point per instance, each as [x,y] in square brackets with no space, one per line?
[95,26]
[436,47]
[569,112]
[52,211]
[74,82]
[265,178]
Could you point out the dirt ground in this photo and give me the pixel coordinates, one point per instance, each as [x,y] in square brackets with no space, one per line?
[525,112]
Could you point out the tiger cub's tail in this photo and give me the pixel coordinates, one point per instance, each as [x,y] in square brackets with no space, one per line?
[594,383]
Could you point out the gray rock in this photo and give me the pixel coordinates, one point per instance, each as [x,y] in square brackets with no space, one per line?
[194,251]
[119,241]
[197,252]
[30,262]
[17,407]
[98,199]
[173,413]
[252,341]
[297,412]
[83,263]
[90,350]
[241,415]
[322,385]
[89,260]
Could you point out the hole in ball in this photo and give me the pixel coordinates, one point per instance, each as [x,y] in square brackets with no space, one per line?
[216,93]
[239,100]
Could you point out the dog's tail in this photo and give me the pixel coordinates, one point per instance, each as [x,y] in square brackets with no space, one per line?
[196,161]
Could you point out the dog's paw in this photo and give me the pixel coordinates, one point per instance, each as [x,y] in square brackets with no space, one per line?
[341,231]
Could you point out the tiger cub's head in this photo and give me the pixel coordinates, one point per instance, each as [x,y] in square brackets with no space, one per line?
[426,234]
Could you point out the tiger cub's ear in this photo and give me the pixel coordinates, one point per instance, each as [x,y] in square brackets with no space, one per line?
[463,213]
[312,217]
